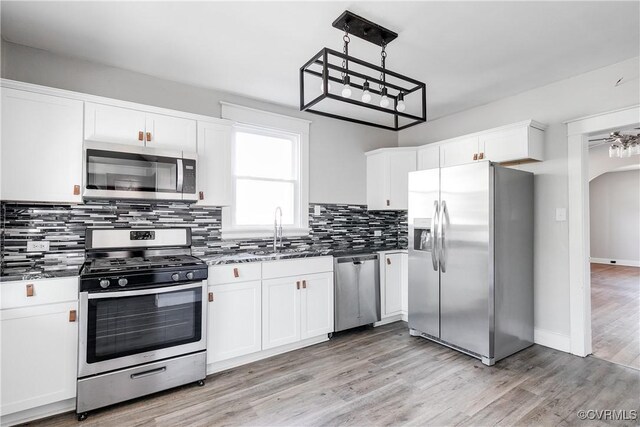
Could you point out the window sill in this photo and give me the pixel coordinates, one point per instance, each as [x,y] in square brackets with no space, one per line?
[262,234]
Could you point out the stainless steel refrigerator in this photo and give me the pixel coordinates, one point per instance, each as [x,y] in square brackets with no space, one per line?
[471,258]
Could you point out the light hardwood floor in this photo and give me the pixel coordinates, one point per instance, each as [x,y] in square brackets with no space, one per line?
[383,376]
[615,313]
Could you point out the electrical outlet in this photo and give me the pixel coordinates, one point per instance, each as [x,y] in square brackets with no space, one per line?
[316,210]
[377,233]
[37,246]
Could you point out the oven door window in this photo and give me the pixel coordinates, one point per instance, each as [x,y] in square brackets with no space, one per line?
[110,170]
[123,326]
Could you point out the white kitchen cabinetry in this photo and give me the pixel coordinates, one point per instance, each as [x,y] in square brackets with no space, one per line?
[107,123]
[280,311]
[459,151]
[387,177]
[428,157]
[298,306]
[39,345]
[214,163]
[394,285]
[234,320]
[513,145]
[41,151]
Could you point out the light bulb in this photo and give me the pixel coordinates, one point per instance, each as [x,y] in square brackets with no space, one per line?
[366,95]
[400,106]
[384,101]
[634,149]
[346,91]
[624,152]
[613,151]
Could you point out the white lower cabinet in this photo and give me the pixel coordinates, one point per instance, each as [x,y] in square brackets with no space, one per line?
[39,355]
[317,305]
[234,320]
[296,308]
[394,284]
[280,311]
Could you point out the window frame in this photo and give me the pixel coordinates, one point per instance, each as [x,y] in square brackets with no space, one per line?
[274,125]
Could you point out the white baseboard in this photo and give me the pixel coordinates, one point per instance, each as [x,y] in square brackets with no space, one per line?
[254,357]
[625,262]
[39,412]
[552,339]
[393,318]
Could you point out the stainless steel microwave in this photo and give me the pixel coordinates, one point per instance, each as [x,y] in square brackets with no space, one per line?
[115,171]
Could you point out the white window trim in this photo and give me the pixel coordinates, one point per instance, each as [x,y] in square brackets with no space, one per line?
[249,117]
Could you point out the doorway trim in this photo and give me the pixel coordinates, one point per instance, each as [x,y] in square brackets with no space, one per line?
[578,132]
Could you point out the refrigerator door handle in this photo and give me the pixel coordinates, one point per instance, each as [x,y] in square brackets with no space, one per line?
[444,218]
[434,236]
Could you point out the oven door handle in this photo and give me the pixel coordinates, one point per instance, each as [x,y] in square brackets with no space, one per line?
[152,291]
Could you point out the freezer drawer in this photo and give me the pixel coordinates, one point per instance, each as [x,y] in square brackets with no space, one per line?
[357,291]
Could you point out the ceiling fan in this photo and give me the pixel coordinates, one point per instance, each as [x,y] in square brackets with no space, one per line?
[622,144]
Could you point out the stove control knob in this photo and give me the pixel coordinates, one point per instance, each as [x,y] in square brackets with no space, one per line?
[104,283]
[190,275]
[123,282]
[175,277]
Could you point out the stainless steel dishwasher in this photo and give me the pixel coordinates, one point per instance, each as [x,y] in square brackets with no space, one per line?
[357,290]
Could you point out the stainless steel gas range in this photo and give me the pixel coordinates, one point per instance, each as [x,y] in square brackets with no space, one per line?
[142,315]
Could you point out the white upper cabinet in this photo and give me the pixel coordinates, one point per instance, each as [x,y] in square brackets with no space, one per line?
[106,123]
[172,133]
[459,151]
[517,144]
[512,144]
[387,178]
[41,147]
[428,157]
[214,164]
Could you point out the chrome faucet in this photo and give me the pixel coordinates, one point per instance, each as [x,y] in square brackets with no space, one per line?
[277,229]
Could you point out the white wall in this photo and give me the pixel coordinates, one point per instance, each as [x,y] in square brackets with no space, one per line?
[336,149]
[586,94]
[614,204]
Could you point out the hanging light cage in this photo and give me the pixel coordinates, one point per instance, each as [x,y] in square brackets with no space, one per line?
[405,105]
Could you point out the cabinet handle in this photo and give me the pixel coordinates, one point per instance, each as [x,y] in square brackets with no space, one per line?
[304,284]
[148,136]
[388,202]
[140,136]
[298,284]
[210,296]
[236,273]
[475,156]
[73,315]
[481,156]
[388,261]
[201,195]
[30,290]
[76,190]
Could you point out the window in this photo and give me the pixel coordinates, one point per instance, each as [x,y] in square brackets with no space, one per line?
[269,170]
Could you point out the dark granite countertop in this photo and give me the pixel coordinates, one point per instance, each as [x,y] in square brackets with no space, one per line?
[267,255]
[40,274]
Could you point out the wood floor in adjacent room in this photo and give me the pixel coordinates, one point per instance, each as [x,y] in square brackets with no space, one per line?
[383,376]
[615,313]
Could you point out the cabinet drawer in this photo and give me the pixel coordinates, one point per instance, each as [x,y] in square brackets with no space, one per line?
[26,293]
[296,267]
[231,273]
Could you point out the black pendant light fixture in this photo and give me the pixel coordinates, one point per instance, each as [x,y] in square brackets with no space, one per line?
[366,93]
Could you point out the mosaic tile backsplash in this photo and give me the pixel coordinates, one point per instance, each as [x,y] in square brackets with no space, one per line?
[338,227]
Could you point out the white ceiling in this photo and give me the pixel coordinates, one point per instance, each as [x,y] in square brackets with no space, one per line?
[468,53]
